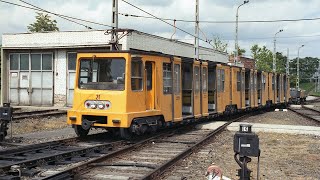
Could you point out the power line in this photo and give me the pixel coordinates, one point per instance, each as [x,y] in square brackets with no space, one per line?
[56,14]
[155,17]
[40,9]
[285,37]
[223,22]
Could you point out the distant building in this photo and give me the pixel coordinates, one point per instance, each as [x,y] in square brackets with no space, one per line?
[38,69]
[247,62]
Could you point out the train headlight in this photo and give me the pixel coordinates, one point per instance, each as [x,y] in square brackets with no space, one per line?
[101,106]
[93,106]
[97,104]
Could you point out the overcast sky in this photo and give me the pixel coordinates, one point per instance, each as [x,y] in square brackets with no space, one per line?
[15,19]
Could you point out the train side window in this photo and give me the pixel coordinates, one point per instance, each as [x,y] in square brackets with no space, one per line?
[220,73]
[167,78]
[263,82]
[197,79]
[204,79]
[222,80]
[149,75]
[273,83]
[136,75]
[238,81]
[176,80]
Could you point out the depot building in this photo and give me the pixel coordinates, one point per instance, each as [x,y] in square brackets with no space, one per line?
[38,69]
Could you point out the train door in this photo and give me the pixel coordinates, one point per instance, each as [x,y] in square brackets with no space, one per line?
[196,88]
[150,85]
[204,92]
[243,89]
[212,89]
[177,90]
[187,91]
[247,88]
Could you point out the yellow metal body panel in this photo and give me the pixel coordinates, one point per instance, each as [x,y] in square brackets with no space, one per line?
[204,93]
[177,95]
[196,94]
[223,97]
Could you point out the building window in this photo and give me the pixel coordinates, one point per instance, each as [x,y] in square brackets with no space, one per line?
[46,61]
[167,78]
[197,79]
[204,79]
[14,61]
[72,59]
[238,81]
[35,61]
[24,61]
[136,75]
[176,80]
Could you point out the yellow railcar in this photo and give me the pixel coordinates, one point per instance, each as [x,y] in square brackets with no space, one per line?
[133,92]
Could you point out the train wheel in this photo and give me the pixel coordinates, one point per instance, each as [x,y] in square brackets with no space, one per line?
[80,131]
[125,133]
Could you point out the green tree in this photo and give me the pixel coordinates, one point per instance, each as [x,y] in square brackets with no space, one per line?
[308,67]
[241,52]
[263,57]
[43,23]
[219,44]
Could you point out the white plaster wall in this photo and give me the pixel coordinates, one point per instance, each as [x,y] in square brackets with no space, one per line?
[55,39]
[60,71]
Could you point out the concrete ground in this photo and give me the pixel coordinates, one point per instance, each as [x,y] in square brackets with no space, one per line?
[271,128]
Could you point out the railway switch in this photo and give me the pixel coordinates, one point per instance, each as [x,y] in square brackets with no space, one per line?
[245,145]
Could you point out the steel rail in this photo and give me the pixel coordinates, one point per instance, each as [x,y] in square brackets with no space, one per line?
[160,170]
[308,116]
[69,173]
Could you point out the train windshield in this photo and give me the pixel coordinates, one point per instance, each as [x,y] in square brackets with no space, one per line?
[102,74]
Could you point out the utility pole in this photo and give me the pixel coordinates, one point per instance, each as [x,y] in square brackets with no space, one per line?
[298,69]
[114,33]
[318,79]
[236,46]
[196,33]
[288,65]
[274,51]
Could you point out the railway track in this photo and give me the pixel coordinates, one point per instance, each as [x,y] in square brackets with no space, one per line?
[30,160]
[146,159]
[307,112]
[39,113]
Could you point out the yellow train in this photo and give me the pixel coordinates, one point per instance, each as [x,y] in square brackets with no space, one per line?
[133,92]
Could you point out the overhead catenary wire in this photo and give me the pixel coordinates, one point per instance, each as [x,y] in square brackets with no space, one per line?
[56,14]
[155,17]
[40,9]
[223,22]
